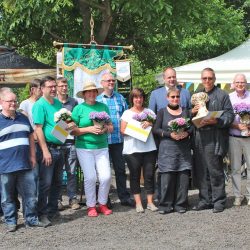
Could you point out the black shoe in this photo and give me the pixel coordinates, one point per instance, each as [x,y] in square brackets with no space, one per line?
[128,203]
[181,211]
[162,212]
[11,228]
[165,211]
[109,204]
[54,216]
[218,210]
[38,224]
[201,207]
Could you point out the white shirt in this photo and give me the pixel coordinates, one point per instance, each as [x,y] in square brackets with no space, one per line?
[132,145]
[26,106]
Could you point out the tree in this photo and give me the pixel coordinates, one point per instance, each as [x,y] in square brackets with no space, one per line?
[162,32]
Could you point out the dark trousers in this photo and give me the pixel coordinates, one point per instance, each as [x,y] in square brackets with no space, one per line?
[115,152]
[174,190]
[208,171]
[136,162]
[50,183]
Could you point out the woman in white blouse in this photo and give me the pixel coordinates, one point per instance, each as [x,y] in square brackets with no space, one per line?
[138,154]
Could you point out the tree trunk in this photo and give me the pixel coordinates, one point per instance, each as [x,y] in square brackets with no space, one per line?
[105,8]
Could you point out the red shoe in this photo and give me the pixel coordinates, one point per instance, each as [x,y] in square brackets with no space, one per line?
[92,212]
[104,210]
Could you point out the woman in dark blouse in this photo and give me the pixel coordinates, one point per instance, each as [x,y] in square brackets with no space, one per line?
[174,156]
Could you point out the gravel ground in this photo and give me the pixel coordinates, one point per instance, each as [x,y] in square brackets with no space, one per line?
[125,229]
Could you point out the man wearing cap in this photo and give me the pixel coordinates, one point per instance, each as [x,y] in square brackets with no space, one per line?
[50,173]
[117,105]
[92,148]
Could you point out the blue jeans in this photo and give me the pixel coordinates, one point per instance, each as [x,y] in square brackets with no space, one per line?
[50,183]
[70,160]
[39,158]
[25,183]
[115,153]
[1,211]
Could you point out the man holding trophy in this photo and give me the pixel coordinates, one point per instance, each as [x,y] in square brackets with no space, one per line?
[211,142]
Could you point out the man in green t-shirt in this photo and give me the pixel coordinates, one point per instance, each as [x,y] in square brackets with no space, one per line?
[51,169]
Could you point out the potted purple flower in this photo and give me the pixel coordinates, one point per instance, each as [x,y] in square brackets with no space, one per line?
[145,116]
[179,125]
[243,110]
[99,118]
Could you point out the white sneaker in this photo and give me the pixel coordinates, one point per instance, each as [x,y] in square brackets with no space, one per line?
[139,209]
[248,202]
[152,207]
[238,200]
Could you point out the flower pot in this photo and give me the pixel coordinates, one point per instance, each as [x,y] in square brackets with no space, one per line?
[180,131]
[245,119]
[244,132]
[99,124]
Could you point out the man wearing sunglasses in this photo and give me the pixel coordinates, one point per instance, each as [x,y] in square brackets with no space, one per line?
[211,142]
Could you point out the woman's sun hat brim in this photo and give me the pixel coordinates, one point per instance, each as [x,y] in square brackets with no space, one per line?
[88,86]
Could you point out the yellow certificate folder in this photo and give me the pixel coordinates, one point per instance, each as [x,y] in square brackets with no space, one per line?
[135,130]
[60,132]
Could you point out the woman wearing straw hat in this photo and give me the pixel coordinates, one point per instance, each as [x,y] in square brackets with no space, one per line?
[92,149]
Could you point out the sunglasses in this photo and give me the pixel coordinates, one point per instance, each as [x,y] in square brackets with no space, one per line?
[174,96]
[207,78]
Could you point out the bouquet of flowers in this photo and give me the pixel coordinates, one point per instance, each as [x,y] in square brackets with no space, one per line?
[243,110]
[99,118]
[179,125]
[145,116]
[64,115]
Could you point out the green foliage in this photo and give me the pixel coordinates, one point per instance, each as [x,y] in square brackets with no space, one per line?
[164,33]
[22,93]
[144,79]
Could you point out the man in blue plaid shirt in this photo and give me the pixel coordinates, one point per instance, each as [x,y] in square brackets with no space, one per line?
[117,105]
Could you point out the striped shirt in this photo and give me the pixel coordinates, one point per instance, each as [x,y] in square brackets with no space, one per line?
[14,143]
[117,105]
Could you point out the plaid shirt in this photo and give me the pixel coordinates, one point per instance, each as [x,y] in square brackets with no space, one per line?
[117,105]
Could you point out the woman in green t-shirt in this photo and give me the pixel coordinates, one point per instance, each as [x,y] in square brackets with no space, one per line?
[92,149]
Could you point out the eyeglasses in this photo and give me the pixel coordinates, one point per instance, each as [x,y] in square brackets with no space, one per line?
[240,82]
[207,78]
[110,80]
[62,86]
[174,96]
[50,87]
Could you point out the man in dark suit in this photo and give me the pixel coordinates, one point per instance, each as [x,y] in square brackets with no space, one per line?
[158,98]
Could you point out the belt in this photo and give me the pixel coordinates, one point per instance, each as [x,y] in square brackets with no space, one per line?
[239,136]
[53,145]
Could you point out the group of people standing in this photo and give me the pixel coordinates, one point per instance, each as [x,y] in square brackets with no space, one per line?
[32,163]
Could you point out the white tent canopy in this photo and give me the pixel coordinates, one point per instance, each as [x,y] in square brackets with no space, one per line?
[225,66]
